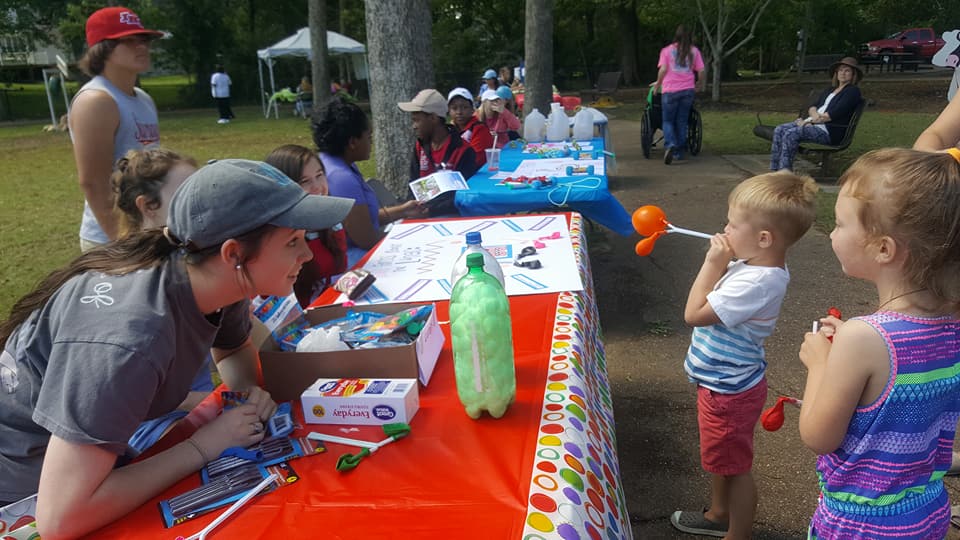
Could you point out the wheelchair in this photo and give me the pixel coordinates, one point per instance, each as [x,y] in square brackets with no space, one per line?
[653,119]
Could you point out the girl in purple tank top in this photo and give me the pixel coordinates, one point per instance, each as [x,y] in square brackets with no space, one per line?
[882,400]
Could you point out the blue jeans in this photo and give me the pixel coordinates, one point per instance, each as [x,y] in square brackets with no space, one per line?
[786,142]
[676,111]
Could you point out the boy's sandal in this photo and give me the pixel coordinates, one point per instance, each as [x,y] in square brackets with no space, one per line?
[696,522]
[955,515]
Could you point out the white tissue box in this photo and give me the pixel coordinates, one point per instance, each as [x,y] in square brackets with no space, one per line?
[360,401]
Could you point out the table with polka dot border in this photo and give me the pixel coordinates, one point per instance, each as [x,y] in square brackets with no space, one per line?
[575,489]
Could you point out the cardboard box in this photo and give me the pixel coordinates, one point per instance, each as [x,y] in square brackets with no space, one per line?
[360,401]
[287,374]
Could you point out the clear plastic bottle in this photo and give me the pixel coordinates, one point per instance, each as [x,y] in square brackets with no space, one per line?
[583,125]
[558,124]
[482,341]
[490,264]
[534,126]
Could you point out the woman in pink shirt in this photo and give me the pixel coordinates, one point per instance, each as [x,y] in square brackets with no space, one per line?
[681,71]
[497,118]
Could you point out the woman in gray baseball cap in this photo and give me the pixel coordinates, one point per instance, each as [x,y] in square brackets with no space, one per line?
[118,335]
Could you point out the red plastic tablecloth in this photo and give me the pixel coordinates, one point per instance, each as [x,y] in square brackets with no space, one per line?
[521,476]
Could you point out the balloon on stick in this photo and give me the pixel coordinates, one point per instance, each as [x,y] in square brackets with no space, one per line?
[650,221]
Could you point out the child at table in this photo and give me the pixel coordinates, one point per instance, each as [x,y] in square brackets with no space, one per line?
[882,400]
[502,123]
[733,307]
[329,246]
[143,182]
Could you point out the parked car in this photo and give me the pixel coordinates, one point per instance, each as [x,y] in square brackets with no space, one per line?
[922,42]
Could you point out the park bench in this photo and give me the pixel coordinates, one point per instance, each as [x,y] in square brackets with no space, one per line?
[819,62]
[822,151]
[893,61]
[607,84]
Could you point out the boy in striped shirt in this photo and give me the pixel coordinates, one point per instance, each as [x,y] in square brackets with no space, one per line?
[733,307]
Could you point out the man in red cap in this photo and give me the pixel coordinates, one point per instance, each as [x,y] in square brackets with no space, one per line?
[110,115]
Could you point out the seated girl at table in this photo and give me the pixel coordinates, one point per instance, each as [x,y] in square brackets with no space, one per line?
[502,123]
[329,246]
[144,181]
[462,114]
[119,334]
[342,134]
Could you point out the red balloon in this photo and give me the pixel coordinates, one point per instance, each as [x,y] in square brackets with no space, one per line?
[649,220]
[772,418]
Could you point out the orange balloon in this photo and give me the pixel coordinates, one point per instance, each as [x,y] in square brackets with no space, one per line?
[645,246]
[649,220]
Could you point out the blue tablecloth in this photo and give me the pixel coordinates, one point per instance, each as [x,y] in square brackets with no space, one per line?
[486,198]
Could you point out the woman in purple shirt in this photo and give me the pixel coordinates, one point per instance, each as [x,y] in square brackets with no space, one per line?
[342,135]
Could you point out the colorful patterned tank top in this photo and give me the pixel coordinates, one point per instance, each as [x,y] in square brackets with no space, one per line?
[886,479]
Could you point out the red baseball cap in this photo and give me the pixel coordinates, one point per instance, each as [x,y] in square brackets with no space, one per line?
[114,23]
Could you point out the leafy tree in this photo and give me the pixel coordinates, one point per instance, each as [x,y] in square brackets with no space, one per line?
[721,37]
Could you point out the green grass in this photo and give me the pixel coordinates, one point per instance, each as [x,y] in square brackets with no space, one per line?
[28,101]
[41,203]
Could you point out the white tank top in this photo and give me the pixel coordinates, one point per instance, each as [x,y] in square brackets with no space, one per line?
[139,128]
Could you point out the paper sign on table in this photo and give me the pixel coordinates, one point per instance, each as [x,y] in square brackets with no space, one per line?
[551,167]
[413,262]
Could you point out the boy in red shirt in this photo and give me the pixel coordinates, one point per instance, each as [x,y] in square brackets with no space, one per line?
[438,146]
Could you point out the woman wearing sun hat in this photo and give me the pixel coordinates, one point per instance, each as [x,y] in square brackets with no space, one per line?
[118,335]
[110,115]
[827,118]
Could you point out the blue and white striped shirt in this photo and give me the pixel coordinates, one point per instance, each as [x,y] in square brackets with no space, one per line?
[728,357]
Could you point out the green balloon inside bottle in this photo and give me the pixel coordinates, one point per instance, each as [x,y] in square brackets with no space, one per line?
[482,342]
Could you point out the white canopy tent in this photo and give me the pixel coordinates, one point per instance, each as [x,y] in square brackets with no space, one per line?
[299,45]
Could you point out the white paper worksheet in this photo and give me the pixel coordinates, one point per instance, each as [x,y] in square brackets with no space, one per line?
[414,261]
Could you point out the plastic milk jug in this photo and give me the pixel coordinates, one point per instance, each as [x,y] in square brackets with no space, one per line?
[482,341]
[534,127]
[558,124]
[583,125]
[490,264]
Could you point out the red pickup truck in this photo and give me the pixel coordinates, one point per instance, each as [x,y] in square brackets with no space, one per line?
[922,42]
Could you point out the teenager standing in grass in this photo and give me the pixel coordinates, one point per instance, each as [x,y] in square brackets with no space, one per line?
[110,115]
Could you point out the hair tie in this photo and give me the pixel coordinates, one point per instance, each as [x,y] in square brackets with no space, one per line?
[955,152]
[171,238]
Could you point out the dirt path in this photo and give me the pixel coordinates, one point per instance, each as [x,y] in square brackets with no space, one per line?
[641,303]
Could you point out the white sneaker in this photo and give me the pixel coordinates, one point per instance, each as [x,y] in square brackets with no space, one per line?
[223,121]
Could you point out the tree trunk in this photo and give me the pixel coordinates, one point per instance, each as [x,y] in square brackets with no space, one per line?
[400,58]
[344,68]
[538,56]
[317,15]
[627,14]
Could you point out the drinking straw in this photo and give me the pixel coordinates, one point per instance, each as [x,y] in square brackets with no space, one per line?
[202,535]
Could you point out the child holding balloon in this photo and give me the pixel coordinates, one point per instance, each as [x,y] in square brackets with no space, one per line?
[882,400]
[733,307]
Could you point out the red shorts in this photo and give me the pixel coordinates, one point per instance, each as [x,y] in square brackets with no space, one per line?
[726,424]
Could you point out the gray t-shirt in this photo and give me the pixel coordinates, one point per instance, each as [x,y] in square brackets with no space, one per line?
[105,353]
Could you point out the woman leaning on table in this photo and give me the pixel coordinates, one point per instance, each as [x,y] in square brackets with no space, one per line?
[110,115]
[827,118]
[118,335]
[342,134]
